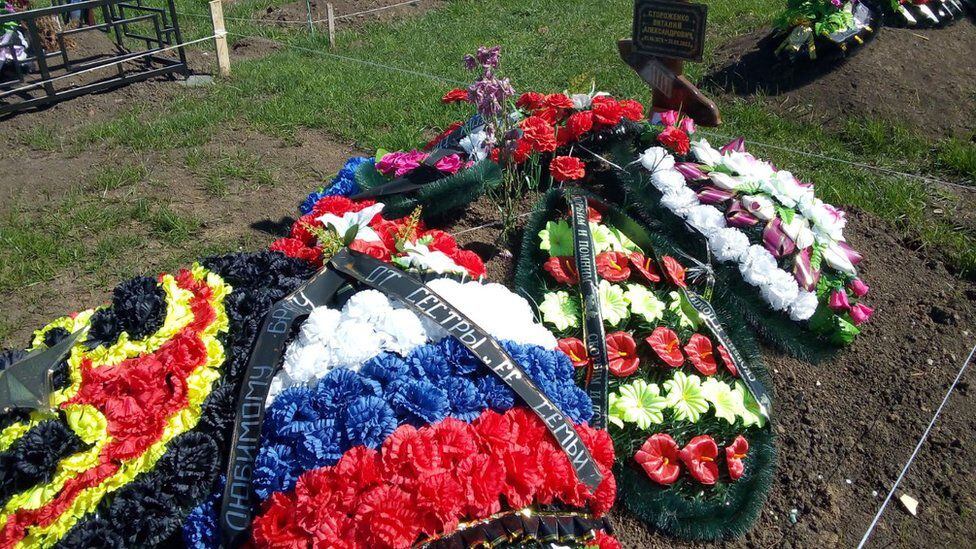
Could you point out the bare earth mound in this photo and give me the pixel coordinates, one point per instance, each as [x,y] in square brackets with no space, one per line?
[917,77]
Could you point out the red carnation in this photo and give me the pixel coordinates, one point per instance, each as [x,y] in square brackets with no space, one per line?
[645,266]
[605,494]
[674,270]
[727,360]
[372,248]
[659,456]
[734,455]
[523,149]
[562,269]
[552,460]
[471,262]
[338,205]
[567,168]
[599,443]
[539,133]
[457,95]
[606,110]
[523,477]
[391,515]
[578,124]
[277,526]
[456,439]
[699,351]
[576,351]
[603,540]
[441,241]
[558,101]
[440,498]
[632,110]
[622,352]
[530,101]
[665,343]
[550,115]
[675,139]
[699,457]
[483,478]
[299,229]
[613,266]
[295,248]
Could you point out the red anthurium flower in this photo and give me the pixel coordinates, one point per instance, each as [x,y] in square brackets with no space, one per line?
[665,343]
[734,455]
[576,351]
[456,95]
[613,266]
[645,266]
[563,269]
[592,215]
[699,350]
[658,456]
[622,352]
[674,270]
[699,457]
[727,360]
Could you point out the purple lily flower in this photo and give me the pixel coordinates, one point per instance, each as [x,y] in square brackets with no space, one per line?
[690,170]
[776,240]
[710,194]
[738,216]
[738,145]
[806,276]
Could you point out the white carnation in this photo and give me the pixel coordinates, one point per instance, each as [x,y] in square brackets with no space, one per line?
[320,324]
[368,305]
[401,331]
[656,159]
[757,264]
[781,290]
[306,360]
[354,342]
[804,306]
[680,201]
[706,219]
[728,244]
[668,180]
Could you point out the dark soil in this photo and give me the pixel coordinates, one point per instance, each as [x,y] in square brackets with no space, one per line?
[847,426]
[924,78]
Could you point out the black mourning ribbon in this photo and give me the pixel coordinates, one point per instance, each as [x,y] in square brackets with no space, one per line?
[236,509]
[422,175]
[594,336]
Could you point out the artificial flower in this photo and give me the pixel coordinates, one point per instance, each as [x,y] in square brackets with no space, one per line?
[780,290]
[675,139]
[838,301]
[638,402]
[562,269]
[674,270]
[683,310]
[456,95]
[558,101]
[685,397]
[861,313]
[449,164]
[760,206]
[603,238]
[560,310]
[659,459]
[613,305]
[728,244]
[567,168]
[613,266]
[539,133]
[632,110]
[354,224]
[699,457]
[727,360]
[699,352]
[655,159]
[645,266]
[576,351]
[530,101]
[644,303]
[606,110]
[667,346]
[622,353]
[578,124]
[557,239]
[705,153]
[734,454]
[705,219]
[858,287]
[753,414]
[726,401]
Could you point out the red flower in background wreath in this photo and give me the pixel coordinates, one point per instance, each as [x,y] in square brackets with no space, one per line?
[593,215]
[659,458]
[530,101]
[613,266]
[734,454]
[338,205]
[674,270]
[667,346]
[727,360]
[562,269]
[567,168]
[578,124]
[699,457]
[296,248]
[603,540]
[632,109]
[622,353]
[300,229]
[539,133]
[373,248]
[699,351]
[470,262]
[645,266]
[558,101]
[606,110]
[457,95]
[675,139]
[576,351]
[441,241]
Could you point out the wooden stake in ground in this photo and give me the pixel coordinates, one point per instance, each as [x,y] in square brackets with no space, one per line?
[331,15]
[220,37]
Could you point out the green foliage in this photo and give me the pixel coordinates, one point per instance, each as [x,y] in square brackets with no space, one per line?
[821,15]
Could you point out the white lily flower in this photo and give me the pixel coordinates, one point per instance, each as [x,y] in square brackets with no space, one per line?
[705,153]
[759,206]
[836,257]
[799,230]
[725,181]
[358,220]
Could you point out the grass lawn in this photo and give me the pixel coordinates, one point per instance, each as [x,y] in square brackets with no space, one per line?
[548,45]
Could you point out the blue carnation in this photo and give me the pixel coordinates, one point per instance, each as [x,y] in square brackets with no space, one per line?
[423,401]
[429,361]
[466,400]
[384,369]
[344,184]
[321,445]
[580,401]
[369,420]
[275,470]
[200,528]
[294,404]
[498,395]
[459,357]
[337,389]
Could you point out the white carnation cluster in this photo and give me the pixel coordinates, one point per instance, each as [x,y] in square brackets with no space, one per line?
[371,323]
[730,245]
